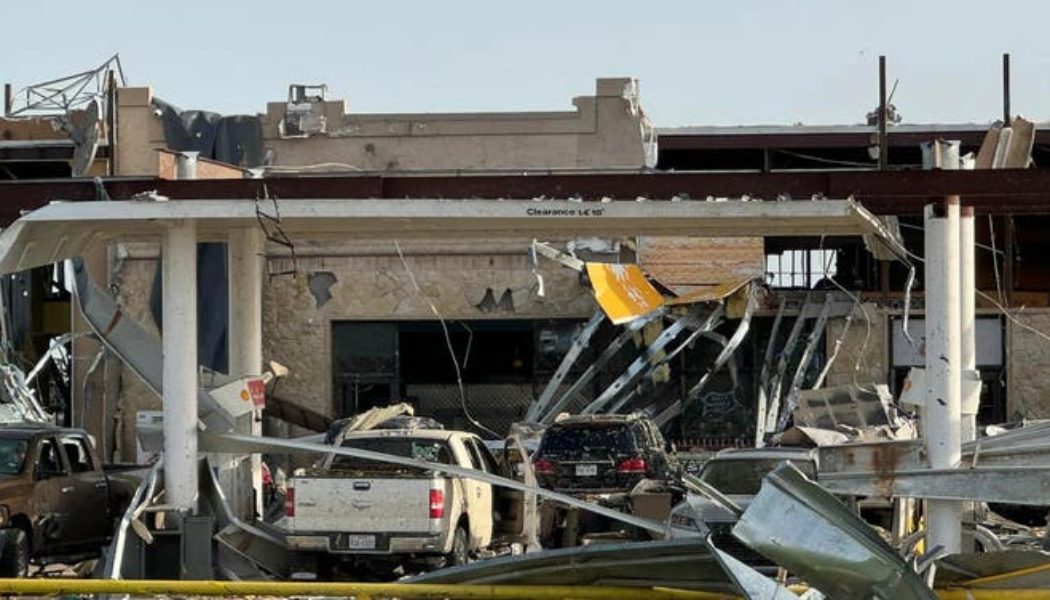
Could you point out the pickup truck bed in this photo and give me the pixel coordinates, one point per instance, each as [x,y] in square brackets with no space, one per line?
[358,510]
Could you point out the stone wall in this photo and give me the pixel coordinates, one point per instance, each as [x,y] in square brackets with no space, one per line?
[363,282]
[867,360]
[132,281]
[297,327]
[1028,366]
[606,130]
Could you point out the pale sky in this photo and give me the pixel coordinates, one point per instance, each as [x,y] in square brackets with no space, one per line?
[732,62]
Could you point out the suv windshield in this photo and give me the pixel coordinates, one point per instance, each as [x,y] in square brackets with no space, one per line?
[435,451]
[590,440]
[743,477]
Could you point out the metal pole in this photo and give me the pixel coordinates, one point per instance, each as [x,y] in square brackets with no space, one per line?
[971,382]
[941,418]
[179,339]
[883,149]
[9,99]
[111,120]
[245,250]
[1006,89]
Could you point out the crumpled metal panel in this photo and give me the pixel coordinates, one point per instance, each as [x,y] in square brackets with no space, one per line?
[803,528]
[134,345]
[1006,569]
[1029,485]
[751,583]
[681,563]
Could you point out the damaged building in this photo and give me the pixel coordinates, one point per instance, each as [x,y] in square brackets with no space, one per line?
[363,323]
[472,280]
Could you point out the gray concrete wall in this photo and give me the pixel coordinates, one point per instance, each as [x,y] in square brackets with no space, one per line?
[1028,360]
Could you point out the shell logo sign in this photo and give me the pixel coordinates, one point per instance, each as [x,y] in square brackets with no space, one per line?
[255,392]
[257,389]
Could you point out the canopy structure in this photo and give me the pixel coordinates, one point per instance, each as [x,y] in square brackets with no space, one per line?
[65,229]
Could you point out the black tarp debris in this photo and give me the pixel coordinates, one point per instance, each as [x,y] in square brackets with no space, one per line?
[235,139]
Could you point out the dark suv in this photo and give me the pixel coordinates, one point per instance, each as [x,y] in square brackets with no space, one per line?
[602,454]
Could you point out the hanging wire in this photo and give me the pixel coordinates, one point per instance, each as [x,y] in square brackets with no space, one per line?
[998,305]
[995,261]
[448,341]
[861,356]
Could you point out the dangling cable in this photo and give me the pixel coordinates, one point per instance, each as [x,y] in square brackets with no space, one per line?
[448,341]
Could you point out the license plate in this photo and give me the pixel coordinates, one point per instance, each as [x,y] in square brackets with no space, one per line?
[586,470]
[359,542]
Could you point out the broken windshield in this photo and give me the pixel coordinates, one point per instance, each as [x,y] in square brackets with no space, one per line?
[435,451]
[591,441]
[743,477]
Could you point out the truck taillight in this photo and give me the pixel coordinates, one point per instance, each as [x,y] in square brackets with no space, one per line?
[543,467]
[632,465]
[437,504]
[289,502]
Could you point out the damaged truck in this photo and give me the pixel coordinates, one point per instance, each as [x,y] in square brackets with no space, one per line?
[57,502]
[354,512]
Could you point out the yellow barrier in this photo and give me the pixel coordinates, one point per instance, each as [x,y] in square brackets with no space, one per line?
[408,591]
[985,594]
[361,591]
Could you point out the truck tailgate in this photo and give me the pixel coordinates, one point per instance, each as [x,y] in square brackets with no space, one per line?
[362,505]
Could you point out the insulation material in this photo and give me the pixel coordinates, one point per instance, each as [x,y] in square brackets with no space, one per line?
[622,291]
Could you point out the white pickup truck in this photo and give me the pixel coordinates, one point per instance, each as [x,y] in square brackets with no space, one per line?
[365,511]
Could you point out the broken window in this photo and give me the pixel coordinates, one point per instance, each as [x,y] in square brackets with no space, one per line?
[803,263]
[800,269]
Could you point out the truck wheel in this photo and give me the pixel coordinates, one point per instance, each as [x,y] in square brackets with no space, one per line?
[460,552]
[14,562]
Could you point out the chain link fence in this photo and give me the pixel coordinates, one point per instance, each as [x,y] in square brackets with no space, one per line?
[494,405]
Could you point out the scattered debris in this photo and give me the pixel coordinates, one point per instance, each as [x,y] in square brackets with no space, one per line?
[810,532]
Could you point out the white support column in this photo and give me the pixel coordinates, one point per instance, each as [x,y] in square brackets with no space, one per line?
[245,335]
[971,380]
[179,260]
[245,249]
[941,419]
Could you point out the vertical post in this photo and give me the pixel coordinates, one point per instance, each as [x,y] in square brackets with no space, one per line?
[179,339]
[884,151]
[9,99]
[111,120]
[245,250]
[1009,239]
[1006,89]
[941,418]
[971,383]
